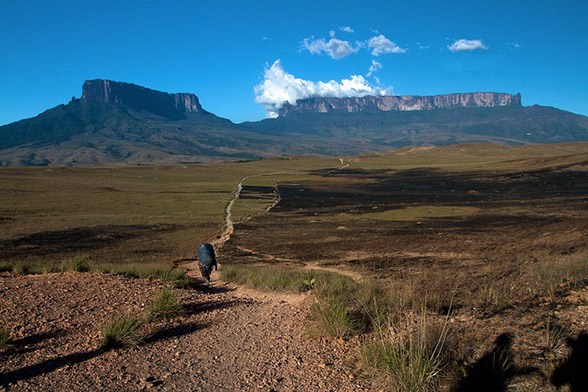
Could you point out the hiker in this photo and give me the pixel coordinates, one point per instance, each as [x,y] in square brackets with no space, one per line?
[206,260]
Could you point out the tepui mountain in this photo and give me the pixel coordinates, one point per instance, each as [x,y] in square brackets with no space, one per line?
[115,122]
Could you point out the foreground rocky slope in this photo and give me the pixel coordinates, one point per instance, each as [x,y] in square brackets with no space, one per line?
[227,341]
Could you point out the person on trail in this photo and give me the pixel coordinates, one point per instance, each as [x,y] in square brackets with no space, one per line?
[206,260]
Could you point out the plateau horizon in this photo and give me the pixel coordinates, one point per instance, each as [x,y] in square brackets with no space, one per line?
[244,59]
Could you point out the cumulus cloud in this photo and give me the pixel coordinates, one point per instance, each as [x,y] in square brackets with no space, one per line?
[373,68]
[467,45]
[334,47]
[279,87]
[347,29]
[382,45]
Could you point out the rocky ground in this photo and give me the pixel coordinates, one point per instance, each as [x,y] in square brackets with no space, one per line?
[229,339]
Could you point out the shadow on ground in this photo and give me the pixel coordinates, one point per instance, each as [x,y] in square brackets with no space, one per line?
[494,370]
[574,370]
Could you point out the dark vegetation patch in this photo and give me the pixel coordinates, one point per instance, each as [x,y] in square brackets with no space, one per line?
[78,239]
[256,192]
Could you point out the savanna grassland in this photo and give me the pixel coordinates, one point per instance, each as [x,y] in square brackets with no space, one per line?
[466,264]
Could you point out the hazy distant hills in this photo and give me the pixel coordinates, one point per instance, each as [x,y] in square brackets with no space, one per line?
[117,122]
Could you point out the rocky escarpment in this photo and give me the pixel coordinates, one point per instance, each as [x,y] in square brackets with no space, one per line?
[139,98]
[372,104]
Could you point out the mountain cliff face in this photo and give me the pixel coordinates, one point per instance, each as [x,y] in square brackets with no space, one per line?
[373,104]
[172,106]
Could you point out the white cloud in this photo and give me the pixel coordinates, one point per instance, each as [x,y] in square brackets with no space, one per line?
[332,33]
[514,45]
[347,29]
[382,45]
[279,87]
[373,68]
[334,47]
[467,45]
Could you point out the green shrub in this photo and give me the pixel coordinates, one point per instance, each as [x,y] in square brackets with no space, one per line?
[122,331]
[164,306]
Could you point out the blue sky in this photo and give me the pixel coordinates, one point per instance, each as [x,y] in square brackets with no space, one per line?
[221,50]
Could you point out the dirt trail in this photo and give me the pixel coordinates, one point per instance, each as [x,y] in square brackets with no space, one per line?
[228,227]
[230,339]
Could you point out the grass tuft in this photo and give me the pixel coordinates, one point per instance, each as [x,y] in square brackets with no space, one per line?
[412,362]
[164,306]
[122,331]
[4,338]
[555,334]
[6,267]
[331,319]
[77,263]
[21,269]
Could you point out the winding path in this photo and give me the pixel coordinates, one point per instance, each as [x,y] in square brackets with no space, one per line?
[228,227]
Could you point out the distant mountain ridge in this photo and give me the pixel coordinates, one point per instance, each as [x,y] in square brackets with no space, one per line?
[387,103]
[117,122]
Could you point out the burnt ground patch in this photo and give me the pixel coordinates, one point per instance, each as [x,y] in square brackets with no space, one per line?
[256,192]
[519,219]
[78,239]
[430,186]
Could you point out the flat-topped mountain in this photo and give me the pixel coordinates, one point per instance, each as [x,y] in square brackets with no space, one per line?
[173,106]
[373,104]
[116,122]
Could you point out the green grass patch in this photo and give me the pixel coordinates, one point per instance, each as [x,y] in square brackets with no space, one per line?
[6,267]
[288,279]
[409,214]
[164,306]
[143,270]
[122,331]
